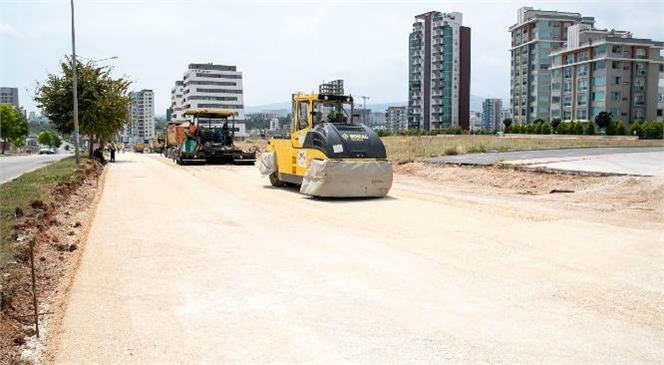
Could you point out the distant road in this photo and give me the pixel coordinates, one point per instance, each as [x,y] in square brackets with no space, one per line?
[12,167]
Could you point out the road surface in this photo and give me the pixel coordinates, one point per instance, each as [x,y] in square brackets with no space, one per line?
[647,161]
[12,167]
[211,265]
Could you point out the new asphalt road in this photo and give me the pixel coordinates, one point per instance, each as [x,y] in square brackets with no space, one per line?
[647,161]
[12,167]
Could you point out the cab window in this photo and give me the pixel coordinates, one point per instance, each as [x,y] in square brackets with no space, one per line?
[304,114]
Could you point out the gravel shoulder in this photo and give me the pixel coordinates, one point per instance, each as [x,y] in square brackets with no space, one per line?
[209,264]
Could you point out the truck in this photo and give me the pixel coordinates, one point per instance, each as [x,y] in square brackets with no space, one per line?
[139,147]
[328,154]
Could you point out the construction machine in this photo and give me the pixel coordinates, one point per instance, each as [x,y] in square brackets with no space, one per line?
[157,143]
[139,147]
[208,141]
[326,153]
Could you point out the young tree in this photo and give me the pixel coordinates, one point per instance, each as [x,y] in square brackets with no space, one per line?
[611,128]
[555,122]
[46,138]
[507,122]
[635,128]
[602,119]
[103,101]
[578,128]
[590,128]
[14,126]
[562,128]
[545,128]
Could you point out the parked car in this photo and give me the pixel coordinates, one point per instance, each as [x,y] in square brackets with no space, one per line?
[46,151]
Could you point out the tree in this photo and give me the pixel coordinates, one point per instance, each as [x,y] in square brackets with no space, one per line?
[620,129]
[507,122]
[602,119]
[562,128]
[590,128]
[635,128]
[103,102]
[611,128]
[46,138]
[578,128]
[66,147]
[555,122]
[545,128]
[14,126]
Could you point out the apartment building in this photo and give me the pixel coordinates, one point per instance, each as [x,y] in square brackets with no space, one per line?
[439,72]
[176,101]
[335,87]
[534,35]
[9,95]
[141,125]
[396,118]
[605,70]
[206,85]
[491,113]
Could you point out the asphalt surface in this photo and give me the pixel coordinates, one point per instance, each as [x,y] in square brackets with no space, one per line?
[212,265]
[648,161]
[12,167]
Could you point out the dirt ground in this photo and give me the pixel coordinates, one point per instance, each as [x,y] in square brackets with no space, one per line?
[58,232]
[209,264]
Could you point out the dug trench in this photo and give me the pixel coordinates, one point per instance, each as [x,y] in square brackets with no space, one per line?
[57,233]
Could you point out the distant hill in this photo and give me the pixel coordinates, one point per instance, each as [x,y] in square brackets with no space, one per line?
[285,107]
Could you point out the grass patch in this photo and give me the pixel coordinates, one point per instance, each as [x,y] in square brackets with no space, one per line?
[409,148]
[21,193]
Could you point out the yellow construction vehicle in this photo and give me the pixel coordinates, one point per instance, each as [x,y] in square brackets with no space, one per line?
[139,147]
[326,154]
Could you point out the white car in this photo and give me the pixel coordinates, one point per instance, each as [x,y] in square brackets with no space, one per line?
[46,151]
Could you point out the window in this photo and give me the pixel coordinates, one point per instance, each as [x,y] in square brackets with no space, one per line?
[596,111]
[598,96]
[544,66]
[568,87]
[616,49]
[567,72]
[599,65]
[641,53]
[616,65]
[582,100]
[640,69]
[639,100]
[556,60]
[304,114]
[583,85]
[567,115]
[557,73]
[600,50]
[616,80]
[569,59]
[599,81]
[581,114]
[615,96]
[555,86]
[567,102]
[555,100]
[583,56]
[615,111]
[555,113]
[583,70]
[639,84]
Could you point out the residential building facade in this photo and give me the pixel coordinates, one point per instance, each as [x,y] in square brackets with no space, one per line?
[660,104]
[9,95]
[206,85]
[141,126]
[176,101]
[491,112]
[439,72]
[534,35]
[335,87]
[396,118]
[605,70]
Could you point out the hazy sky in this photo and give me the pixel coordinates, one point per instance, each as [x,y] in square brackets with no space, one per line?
[280,47]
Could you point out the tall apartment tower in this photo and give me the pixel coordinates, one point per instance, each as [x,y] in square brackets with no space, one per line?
[439,72]
[396,118]
[335,87]
[176,101]
[534,35]
[492,110]
[142,116]
[605,70]
[206,85]
[9,95]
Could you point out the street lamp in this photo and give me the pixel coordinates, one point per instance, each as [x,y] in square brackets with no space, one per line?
[75,92]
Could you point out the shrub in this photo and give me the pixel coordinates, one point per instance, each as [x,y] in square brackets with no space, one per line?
[538,128]
[590,128]
[578,128]
[562,128]
[620,129]
[555,122]
[635,128]
[611,128]
[545,129]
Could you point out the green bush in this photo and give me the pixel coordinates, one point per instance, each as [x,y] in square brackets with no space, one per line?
[611,128]
[562,128]
[578,128]
[545,129]
[620,129]
[635,128]
[590,128]
[652,130]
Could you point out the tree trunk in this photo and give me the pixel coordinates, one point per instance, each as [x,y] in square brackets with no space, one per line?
[3,146]
[91,145]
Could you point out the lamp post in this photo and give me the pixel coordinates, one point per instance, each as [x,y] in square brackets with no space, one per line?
[75,92]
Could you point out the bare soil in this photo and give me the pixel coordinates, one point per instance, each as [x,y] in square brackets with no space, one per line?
[58,233]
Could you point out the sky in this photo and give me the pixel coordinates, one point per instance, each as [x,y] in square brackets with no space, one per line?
[281,47]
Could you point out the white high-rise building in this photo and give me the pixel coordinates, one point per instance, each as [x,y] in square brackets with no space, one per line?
[176,101]
[491,112]
[141,125]
[396,118]
[206,85]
